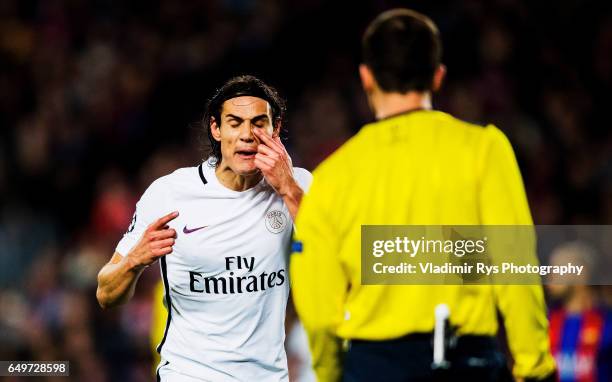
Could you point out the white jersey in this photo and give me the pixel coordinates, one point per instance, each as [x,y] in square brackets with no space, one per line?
[226,281]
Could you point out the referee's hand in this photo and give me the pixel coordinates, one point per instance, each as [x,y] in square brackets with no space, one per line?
[156,241]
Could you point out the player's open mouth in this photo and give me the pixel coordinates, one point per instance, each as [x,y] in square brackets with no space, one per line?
[246,154]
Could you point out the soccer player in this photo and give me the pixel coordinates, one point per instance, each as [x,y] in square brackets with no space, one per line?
[221,231]
[413,166]
[581,328]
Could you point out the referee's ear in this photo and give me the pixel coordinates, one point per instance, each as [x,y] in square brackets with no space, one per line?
[367,79]
[438,78]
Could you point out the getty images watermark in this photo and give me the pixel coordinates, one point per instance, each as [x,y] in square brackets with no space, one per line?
[485,254]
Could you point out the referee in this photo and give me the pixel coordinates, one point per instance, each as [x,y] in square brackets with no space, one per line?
[413,166]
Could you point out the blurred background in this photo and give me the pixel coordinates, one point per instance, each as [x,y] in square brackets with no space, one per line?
[99,98]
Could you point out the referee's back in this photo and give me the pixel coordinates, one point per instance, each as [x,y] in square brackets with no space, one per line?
[423,168]
[418,167]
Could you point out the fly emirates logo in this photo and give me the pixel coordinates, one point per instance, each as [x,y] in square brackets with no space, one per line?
[236,284]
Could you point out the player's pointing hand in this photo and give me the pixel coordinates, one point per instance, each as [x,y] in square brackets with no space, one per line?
[156,241]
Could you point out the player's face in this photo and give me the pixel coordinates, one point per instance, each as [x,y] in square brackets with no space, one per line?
[239,117]
[558,286]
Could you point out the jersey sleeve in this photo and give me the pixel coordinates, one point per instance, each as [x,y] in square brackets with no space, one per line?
[319,284]
[502,194]
[503,202]
[149,208]
[303,178]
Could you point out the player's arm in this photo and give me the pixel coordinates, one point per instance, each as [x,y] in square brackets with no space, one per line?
[117,279]
[275,164]
[292,198]
[503,202]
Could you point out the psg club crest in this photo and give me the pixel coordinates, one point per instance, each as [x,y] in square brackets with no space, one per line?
[275,221]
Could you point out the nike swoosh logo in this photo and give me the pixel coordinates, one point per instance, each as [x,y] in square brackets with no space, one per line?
[187,230]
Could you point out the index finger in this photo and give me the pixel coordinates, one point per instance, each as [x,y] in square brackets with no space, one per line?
[268,141]
[253,129]
[159,223]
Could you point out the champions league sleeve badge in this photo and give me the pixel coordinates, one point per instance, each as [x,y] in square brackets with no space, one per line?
[275,221]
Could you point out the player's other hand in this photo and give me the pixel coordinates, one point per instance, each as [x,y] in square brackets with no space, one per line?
[274,162]
[156,241]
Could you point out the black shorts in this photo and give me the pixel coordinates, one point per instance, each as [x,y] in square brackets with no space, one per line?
[410,358]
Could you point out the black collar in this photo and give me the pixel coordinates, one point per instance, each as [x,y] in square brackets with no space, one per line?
[202,173]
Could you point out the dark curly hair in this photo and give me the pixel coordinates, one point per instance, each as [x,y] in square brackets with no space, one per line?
[245,85]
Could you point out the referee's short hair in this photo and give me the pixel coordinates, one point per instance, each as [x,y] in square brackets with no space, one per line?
[402,48]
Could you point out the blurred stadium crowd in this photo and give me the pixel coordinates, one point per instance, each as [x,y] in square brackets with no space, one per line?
[99,98]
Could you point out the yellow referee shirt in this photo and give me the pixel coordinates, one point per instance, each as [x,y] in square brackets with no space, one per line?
[159,316]
[421,168]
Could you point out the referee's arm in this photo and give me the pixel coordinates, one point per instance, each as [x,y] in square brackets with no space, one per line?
[503,201]
[319,283]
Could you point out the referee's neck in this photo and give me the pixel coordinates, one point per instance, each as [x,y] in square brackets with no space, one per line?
[389,104]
